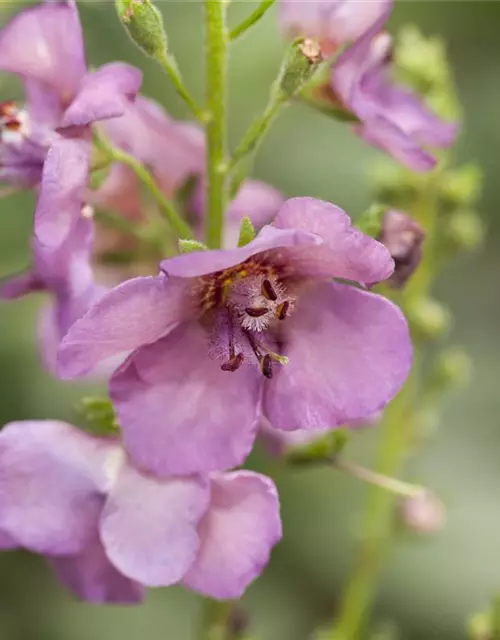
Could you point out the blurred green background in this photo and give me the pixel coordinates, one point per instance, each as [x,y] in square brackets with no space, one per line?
[428,587]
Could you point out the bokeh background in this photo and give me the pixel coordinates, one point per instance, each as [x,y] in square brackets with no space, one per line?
[428,587]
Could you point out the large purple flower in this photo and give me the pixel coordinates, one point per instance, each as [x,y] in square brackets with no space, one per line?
[63,269]
[331,22]
[174,152]
[221,334]
[44,46]
[392,117]
[107,528]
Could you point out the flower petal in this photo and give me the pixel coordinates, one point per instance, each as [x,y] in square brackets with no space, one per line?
[137,312]
[105,93]
[335,21]
[237,534]
[346,253]
[92,577]
[148,526]
[51,478]
[45,43]
[60,201]
[349,353]
[381,133]
[179,412]
[199,263]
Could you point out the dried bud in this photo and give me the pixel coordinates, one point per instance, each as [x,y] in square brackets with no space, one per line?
[144,24]
[403,238]
[422,513]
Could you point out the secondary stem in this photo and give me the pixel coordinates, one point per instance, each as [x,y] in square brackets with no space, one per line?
[216,170]
[249,21]
[167,209]
[169,68]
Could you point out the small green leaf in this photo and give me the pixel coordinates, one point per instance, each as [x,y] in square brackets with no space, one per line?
[188,246]
[322,450]
[247,232]
[99,416]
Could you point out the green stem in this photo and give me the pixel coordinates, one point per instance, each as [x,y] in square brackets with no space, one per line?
[216,170]
[119,223]
[256,131]
[177,224]
[377,522]
[388,483]
[393,448]
[249,21]
[215,617]
[170,68]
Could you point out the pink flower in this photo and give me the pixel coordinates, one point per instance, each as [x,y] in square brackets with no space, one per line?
[222,335]
[108,529]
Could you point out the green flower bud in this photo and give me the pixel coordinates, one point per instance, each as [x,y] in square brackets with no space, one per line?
[99,416]
[302,61]
[462,186]
[370,221]
[452,368]
[465,230]
[428,318]
[144,24]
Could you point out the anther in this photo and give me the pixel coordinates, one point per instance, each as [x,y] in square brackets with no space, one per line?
[266,366]
[282,310]
[233,363]
[268,291]
[256,312]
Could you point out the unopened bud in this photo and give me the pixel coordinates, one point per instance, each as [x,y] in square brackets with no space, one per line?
[301,62]
[429,318]
[453,368]
[144,24]
[422,513]
[403,238]
[465,230]
[462,186]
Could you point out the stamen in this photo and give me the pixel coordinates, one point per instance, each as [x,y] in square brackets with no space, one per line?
[282,310]
[266,366]
[268,291]
[233,363]
[256,312]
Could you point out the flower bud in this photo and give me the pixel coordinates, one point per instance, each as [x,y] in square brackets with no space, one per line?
[144,24]
[301,62]
[429,318]
[465,230]
[462,186]
[453,368]
[423,513]
[403,238]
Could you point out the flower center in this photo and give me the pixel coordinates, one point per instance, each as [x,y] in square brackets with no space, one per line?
[249,303]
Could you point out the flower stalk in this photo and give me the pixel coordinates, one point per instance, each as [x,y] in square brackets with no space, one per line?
[167,209]
[216,38]
[250,20]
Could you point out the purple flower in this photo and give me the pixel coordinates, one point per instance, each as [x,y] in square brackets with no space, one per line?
[331,22]
[392,117]
[222,334]
[62,269]
[44,46]
[173,151]
[107,528]
[403,238]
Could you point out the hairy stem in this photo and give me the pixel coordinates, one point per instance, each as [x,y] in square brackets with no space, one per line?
[250,20]
[167,209]
[216,37]
[169,67]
